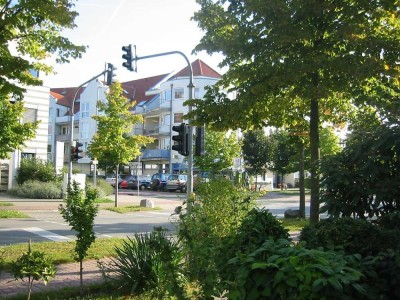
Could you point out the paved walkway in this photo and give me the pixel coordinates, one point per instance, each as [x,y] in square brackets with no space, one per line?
[68,274]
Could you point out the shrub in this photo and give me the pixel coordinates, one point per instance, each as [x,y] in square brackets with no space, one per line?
[38,190]
[103,188]
[36,169]
[383,275]
[351,235]
[148,263]
[279,271]
[363,180]
[216,214]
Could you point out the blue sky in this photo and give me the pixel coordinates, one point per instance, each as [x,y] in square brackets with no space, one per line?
[154,26]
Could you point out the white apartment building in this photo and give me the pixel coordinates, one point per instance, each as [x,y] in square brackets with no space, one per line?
[36,103]
[158,98]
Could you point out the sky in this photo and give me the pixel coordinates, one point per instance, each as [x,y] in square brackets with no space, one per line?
[154,26]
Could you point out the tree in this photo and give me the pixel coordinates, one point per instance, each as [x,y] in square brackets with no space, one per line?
[80,212]
[112,142]
[257,151]
[30,31]
[220,149]
[14,133]
[308,58]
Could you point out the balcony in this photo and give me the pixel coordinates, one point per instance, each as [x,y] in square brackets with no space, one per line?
[63,138]
[163,130]
[155,154]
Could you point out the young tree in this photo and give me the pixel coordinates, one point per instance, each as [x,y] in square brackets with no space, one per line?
[220,149]
[112,142]
[298,57]
[30,31]
[257,151]
[80,212]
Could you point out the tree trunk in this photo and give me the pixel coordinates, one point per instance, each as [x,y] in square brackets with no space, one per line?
[314,148]
[302,205]
[81,276]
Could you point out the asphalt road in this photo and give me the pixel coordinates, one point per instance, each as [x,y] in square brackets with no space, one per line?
[46,224]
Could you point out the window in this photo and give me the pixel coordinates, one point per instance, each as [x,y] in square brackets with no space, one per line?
[179,93]
[196,93]
[48,148]
[27,155]
[84,110]
[57,112]
[178,118]
[64,130]
[84,131]
[167,95]
[30,115]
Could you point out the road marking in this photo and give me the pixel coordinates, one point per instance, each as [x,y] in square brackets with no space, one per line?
[46,234]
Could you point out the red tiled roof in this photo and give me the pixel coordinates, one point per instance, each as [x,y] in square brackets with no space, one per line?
[68,94]
[137,89]
[199,68]
[56,95]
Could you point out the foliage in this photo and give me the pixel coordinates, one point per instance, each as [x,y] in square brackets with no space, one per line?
[112,142]
[220,148]
[257,151]
[390,221]
[363,180]
[383,274]
[284,152]
[103,188]
[291,61]
[80,211]
[36,169]
[31,31]
[14,133]
[214,215]
[350,235]
[34,265]
[38,190]
[148,263]
[279,271]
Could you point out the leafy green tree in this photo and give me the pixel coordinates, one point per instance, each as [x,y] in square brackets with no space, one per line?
[80,211]
[36,169]
[14,133]
[112,143]
[309,58]
[30,31]
[220,149]
[257,151]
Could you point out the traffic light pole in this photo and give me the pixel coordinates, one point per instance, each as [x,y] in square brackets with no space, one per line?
[71,125]
[190,129]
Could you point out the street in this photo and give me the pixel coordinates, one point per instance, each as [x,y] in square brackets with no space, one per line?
[46,224]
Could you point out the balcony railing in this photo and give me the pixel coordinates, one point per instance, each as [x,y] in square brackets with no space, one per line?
[155,154]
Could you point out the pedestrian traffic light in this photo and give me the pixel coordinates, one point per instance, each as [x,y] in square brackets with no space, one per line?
[181,139]
[110,73]
[199,142]
[128,56]
[79,150]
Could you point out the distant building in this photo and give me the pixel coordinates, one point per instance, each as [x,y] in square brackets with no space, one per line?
[158,98]
[36,103]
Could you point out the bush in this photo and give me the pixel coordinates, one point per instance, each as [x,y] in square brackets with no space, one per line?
[216,214]
[103,188]
[348,234]
[278,270]
[38,190]
[148,263]
[36,169]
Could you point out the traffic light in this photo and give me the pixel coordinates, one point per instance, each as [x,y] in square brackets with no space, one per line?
[127,57]
[73,153]
[199,142]
[182,139]
[110,73]
[78,150]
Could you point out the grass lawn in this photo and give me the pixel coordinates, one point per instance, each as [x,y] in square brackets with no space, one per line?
[6,204]
[289,192]
[130,208]
[8,214]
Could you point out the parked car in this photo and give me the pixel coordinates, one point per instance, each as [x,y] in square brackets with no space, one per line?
[158,181]
[176,182]
[144,182]
[111,179]
[131,182]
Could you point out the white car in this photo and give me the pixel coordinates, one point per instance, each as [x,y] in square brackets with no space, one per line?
[176,182]
[111,180]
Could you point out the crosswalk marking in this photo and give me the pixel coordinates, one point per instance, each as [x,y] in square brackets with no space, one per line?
[46,234]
